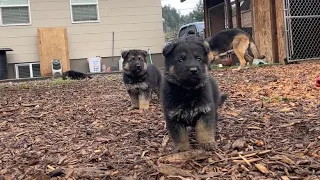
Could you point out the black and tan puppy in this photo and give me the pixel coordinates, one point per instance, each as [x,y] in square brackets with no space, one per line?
[140,78]
[75,75]
[237,40]
[189,94]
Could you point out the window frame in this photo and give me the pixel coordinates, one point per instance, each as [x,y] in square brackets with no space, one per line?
[181,29]
[16,66]
[192,26]
[82,22]
[16,5]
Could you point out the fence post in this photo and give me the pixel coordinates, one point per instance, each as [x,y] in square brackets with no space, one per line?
[229,13]
[273,19]
[238,14]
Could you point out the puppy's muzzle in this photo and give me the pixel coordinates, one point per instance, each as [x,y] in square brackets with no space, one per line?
[193,70]
[138,66]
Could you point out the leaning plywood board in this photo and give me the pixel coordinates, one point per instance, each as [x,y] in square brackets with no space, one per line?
[53,44]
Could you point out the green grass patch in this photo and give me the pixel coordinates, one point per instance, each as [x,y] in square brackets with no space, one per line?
[4,86]
[275,99]
[24,85]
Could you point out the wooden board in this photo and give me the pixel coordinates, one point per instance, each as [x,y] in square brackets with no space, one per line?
[262,30]
[261,20]
[53,44]
[281,30]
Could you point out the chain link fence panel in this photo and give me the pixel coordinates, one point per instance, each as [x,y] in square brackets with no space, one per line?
[302,25]
[217,19]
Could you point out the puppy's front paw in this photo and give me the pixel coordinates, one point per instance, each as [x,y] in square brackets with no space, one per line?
[142,110]
[209,146]
[183,146]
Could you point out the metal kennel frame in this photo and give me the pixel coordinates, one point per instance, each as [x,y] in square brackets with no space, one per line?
[302,29]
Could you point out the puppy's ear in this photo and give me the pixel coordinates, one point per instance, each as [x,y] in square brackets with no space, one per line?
[124,54]
[144,52]
[168,48]
[206,46]
[208,50]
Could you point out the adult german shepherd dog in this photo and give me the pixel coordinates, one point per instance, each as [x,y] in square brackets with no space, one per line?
[233,39]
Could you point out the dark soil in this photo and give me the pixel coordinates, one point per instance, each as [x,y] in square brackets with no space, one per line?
[269,129]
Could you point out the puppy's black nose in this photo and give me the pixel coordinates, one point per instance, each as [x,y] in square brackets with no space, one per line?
[138,65]
[193,70]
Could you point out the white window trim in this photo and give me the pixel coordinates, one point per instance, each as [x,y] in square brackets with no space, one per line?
[19,5]
[82,22]
[24,64]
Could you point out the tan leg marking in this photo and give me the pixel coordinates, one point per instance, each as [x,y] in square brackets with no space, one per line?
[143,102]
[205,135]
[249,59]
[134,101]
[183,144]
[240,46]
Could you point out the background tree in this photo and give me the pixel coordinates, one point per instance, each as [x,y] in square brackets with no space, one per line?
[171,17]
[198,13]
[173,20]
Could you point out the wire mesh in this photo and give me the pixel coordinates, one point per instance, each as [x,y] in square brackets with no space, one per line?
[217,19]
[302,20]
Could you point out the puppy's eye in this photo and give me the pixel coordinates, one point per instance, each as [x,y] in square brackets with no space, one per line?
[180,60]
[199,59]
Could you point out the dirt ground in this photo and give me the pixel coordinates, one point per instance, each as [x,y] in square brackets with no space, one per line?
[269,129]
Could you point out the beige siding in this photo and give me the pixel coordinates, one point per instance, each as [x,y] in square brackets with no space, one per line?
[137,24]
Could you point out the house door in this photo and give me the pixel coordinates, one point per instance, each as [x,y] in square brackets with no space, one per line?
[302,27]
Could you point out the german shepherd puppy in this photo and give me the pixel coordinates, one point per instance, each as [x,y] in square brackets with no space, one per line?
[140,78]
[233,39]
[189,94]
[75,75]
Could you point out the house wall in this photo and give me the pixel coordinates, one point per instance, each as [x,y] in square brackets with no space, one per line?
[82,64]
[137,24]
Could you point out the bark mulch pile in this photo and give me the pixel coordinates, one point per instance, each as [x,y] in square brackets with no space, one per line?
[54,129]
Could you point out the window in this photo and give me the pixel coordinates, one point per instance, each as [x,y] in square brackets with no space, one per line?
[27,70]
[15,12]
[192,27]
[84,11]
[200,27]
[183,31]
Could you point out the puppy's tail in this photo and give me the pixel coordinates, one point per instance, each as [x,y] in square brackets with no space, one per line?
[255,51]
[223,98]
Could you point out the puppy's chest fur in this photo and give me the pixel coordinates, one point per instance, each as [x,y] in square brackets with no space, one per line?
[136,83]
[189,107]
[188,114]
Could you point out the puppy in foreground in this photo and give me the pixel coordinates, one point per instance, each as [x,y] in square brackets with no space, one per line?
[237,40]
[189,94]
[140,78]
[75,75]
